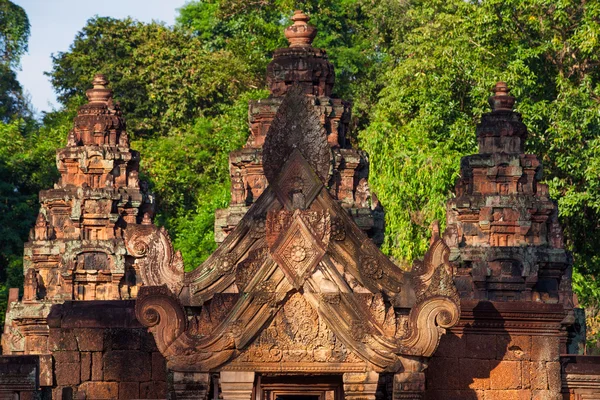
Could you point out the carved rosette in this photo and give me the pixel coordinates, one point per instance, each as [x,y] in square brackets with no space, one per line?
[300,248]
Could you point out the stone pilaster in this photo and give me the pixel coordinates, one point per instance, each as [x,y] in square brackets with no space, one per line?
[360,385]
[236,385]
[188,385]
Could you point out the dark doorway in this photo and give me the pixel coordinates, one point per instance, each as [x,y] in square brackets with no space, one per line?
[297,387]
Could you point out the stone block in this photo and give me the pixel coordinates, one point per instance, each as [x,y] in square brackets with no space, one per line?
[545,395]
[90,339]
[45,370]
[539,377]
[67,373]
[545,348]
[126,365]
[473,373]
[129,390]
[480,346]
[97,367]
[441,373]
[147,342]
[554,376]
[451,346]
[153,390]
[86,366]
[454,395]
[60,339]
[66,356]
[506,375]
[513,347]
[508,395]
[100,390]
[122,339]
[159,367]
[526,375]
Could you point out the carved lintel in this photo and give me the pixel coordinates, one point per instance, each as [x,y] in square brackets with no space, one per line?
[236,385]
[360,385]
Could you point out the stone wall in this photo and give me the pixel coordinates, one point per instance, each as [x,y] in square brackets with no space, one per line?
[499,351]
[100,351]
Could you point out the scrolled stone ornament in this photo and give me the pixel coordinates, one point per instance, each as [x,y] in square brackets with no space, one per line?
[158,309]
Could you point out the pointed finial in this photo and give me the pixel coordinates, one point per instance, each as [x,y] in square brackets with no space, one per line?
[300,34]
[99,93]
[501,100]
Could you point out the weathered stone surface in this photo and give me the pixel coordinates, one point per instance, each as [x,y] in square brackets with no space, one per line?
[126,365]
[508,395]
[515,347]
[100,390]
[97,366]
[122,339]
[62,340]
[454,395]
[506,375]
[474,373]
[129,390]
[544,348]
[86,366]
[442,374]
[67,374]
[480,346]
[153,390]
[159,367]
[90,339]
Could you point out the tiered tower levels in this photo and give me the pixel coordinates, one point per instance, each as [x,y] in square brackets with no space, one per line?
[502,225]
[308,67]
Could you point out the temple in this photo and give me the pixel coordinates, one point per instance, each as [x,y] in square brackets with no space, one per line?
[297,302]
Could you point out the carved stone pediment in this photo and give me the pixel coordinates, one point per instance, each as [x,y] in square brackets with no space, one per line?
[297,286]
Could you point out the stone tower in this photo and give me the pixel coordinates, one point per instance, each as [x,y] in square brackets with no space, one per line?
[502,226]
[510,268]
[83,245]
[309,68]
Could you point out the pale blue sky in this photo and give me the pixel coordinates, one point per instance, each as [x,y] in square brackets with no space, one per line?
[54,24]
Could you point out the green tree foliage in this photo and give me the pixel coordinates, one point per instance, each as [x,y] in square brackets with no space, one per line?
[449,55]
[15,197]
[14,33]
[418,73]
[185,104]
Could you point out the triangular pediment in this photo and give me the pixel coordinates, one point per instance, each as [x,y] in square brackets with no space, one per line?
[297,250]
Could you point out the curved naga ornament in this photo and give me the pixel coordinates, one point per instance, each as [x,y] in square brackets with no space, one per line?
[157,261]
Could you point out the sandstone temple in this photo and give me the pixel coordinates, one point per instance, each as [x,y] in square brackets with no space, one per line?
[297,302]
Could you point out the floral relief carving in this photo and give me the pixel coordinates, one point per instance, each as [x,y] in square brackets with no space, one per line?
[296,334]
[370,266]
[226,263]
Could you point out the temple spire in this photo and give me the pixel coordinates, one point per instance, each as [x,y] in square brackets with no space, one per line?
[99,93]
[501,100]
[300,33]
[502,130]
